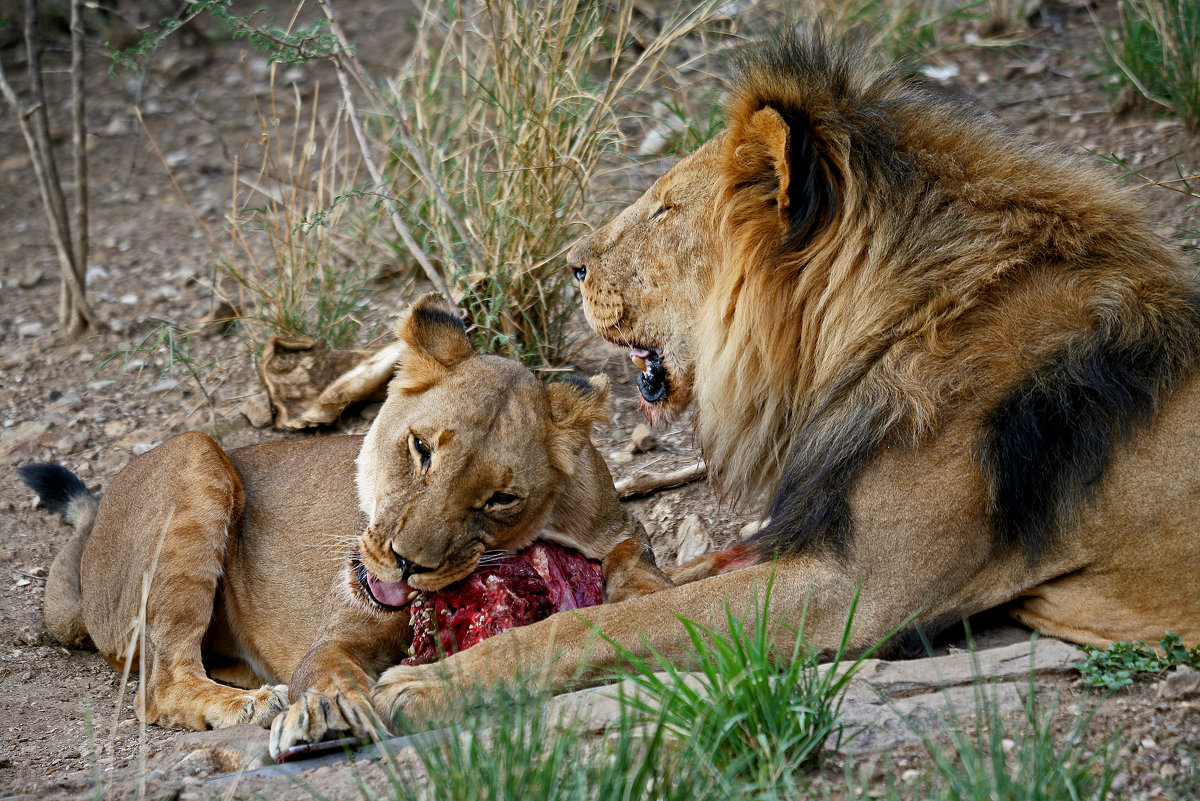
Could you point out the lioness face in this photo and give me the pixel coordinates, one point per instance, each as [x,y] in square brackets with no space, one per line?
[645,275]
[466,456]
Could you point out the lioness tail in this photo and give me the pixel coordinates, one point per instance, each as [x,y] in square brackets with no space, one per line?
[62,492]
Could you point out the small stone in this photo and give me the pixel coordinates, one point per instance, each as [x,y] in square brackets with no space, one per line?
[30,636]
[34,329]
[165,385]
[139,448]
[753,527]
[1183,683]
[620,457]
[101,385]
[129,299]
[115,428]
[257,411]
[642,440]
[910,775]
[692,539]
[30,279]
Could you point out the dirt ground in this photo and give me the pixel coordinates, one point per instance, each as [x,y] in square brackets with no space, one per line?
[150,260]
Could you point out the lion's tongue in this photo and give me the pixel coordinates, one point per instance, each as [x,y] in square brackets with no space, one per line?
[639,356]
[392,593]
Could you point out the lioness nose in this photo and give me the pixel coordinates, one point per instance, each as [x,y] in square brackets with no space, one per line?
[407,568]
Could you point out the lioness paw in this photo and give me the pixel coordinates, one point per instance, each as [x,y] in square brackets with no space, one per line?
[416,691]
[320,716]
[235,707]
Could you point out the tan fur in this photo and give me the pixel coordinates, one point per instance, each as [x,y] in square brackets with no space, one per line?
[867,294]
[239,560]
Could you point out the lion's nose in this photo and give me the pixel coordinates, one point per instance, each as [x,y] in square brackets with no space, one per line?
[407,568]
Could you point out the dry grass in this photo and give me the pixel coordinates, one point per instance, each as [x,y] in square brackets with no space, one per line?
[515,106]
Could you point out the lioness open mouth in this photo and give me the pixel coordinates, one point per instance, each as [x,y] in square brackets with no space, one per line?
[506,591]
[391,595]
[653,383]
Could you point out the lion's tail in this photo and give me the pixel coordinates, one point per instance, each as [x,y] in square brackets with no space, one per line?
[62,492]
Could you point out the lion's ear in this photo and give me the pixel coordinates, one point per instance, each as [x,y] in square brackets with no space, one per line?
[761,145]
[437,341]
[575,405]
[774,161]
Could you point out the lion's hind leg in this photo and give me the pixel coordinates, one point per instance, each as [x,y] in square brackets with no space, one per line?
[170,515]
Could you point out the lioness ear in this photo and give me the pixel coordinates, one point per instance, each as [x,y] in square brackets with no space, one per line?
[575,404]
[437,341]
[773,161]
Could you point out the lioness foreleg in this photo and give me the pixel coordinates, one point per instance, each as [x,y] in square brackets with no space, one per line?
[155,559]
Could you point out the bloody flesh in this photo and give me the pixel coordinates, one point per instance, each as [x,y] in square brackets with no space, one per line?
[516,590]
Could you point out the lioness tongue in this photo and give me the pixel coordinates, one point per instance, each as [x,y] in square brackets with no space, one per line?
[392,593]
[639,356]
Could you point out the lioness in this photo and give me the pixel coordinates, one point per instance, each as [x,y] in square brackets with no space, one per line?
[245,564]
[961,365]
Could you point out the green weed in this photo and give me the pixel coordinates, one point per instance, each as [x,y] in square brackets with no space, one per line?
[757,720]
[506,747]
[1123,663]
[989,761]
[1155,49]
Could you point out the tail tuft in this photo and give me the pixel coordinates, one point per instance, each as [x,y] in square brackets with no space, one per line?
[61,491]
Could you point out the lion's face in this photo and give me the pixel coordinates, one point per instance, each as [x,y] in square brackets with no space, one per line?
[644,276]
[467,455]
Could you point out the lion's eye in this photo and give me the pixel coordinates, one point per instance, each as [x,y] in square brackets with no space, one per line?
[423,450]
[661,208]
[501,499]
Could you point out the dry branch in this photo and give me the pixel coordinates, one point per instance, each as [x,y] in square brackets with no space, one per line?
[75,316]
[644,482]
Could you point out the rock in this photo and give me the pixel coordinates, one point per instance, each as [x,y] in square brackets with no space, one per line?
[691,539]
[227,750]
[165,385]
[26,439]
[753,527]
[34,329]
[101,385]
[642,439]
[1184,683]
[257,411]
[72,443]
[30,636]
[138,448]
[620,457]
[30,279]
[115,428]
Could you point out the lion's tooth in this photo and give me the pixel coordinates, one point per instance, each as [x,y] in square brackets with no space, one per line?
[639,361]
[412,595]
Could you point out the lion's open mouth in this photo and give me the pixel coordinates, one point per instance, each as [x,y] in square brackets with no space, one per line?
[391,595]
[506,591]
[653,383]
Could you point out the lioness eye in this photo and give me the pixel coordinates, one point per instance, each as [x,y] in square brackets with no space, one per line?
[501,499]
[662,207]
[422,450]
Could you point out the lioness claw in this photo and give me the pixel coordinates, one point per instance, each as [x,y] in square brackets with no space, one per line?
[320,716]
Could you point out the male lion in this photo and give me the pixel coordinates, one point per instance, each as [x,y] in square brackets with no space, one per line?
[961,365]
[244,564]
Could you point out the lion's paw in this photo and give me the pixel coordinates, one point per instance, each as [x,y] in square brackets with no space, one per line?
[416,691]
[320,716]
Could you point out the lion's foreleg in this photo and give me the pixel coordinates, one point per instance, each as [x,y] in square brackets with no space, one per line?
[572,648]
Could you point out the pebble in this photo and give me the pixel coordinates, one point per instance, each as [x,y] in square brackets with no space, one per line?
[642,440]
[1183,683]
[139,448]
[34,329]
[101,385]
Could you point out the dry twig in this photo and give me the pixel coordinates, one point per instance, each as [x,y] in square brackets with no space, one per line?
[644,482]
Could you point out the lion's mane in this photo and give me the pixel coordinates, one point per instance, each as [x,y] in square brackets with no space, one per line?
[933,263]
